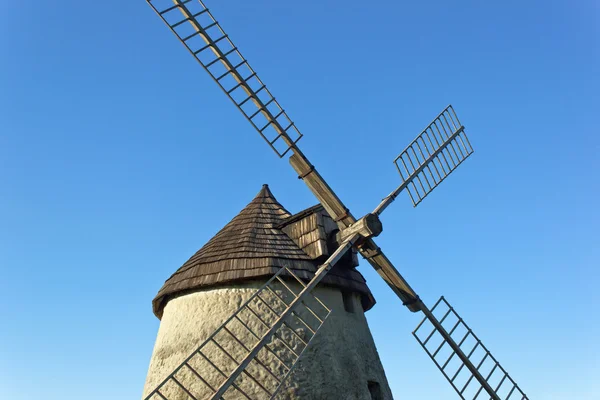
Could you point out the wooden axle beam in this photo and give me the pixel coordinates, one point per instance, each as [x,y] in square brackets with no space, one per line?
[344,218]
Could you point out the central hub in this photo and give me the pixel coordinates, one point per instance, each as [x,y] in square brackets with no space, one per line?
[367,227]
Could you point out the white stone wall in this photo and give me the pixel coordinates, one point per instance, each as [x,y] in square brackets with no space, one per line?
[338,364]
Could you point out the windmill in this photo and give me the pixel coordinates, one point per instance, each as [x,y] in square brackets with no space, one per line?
[297,314]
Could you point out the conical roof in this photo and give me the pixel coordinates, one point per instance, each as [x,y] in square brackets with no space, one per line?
[250,246]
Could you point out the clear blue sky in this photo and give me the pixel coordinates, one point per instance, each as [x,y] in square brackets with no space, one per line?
[119,158]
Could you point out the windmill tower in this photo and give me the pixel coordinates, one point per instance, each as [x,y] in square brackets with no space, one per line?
[253,356]
[263,238]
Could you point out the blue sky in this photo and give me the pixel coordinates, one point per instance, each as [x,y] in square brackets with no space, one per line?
[119,158]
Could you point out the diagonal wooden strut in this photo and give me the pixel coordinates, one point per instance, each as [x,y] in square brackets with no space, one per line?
[338,211]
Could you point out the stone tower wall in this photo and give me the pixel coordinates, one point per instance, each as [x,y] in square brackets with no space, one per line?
[341,363]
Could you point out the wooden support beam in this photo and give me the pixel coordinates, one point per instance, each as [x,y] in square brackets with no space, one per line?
[390,275]
[344,219]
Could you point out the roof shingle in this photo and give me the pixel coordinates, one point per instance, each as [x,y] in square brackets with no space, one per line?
[251,246]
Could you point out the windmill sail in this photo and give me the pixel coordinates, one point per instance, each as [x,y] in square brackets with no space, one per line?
[452,346]
[430,158]
[433,155]
[203,36]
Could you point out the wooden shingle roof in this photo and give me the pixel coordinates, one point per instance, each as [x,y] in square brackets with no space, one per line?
[252,246]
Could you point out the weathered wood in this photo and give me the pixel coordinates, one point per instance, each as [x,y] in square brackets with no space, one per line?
[254,246]
[344,218]
[304,230]
[328,224]
[332,204]
[368,226]
[390,275]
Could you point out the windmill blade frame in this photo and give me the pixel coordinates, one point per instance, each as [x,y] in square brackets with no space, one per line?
[198,30]
[497,380]
[430,158]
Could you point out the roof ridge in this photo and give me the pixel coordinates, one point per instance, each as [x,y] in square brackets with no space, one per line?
[300,215]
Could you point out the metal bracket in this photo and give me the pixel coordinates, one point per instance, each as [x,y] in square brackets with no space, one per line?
[310,170]
[461,357]
[412,301]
